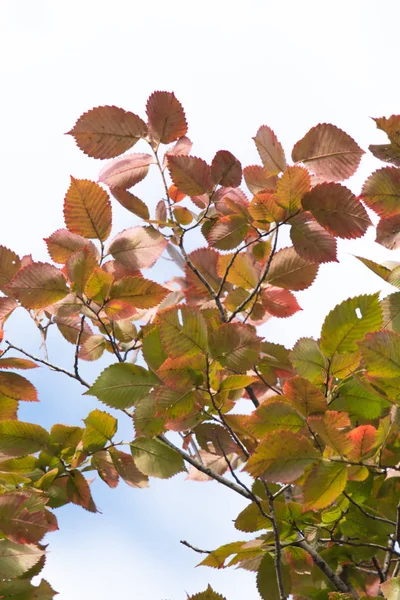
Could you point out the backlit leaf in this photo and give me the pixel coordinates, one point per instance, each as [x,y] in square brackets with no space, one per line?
[10,263]
[391,588]
[103,464]
[87,209]
[257,179]
[127,469]
[226,169]
[228,232]
[282,456]
[266,579]
[62,243]
[308,360]
[174,404]
[17,363]
[290,271]
[131,202]
[291,187]
[100,428]
[126,171]
[156,459]
[237,382]
[208,594]
[107,131]
[388,152]
[185,337]
[140,292]
[38,285]
[138,247]
[325,482]
[380,270]
[270,150]
[381,353]
[363,439]
[388,232]
[271,416]
[98,286]
[328,152]
[337,209]
[332,428]
[17,559]
[182,215]
[358,401]
[19,439]
[70,328]
[7,306]
[21,522]
[191,175]
[305,397]
[92,348]
[311,241]
[349,322]
[166,117]
[279,302]
[122,385]
[80,267]
[381,191]
[235,346]
[17,387]
[78,491]
[241,270]
[205,260]
[264,208]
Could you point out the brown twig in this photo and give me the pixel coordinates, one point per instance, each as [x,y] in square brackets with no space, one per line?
[185,543]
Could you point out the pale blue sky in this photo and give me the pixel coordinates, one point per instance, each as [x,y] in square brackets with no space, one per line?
[234,66]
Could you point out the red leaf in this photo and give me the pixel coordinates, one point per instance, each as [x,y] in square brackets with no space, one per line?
[87,209]
[388,232]
[69,328]
[381,191]
[17,363]
[138,291]
[279,302]
[107,131]
[126,171]
[205,260]
[182,146]
[311,241]
[290,271]
[270,151]
[7,305]
[117,310]
[388,152]
[10,263]
[166,117]
[337,209]
[78,491]
[190,174]
[228,232]
[258,180]
[226,169]
[132,203]
[38,285]
[328,152]
[62,243]
[363,439]
[17,387]
[138,247]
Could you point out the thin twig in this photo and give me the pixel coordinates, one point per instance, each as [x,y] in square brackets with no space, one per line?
[277,540]
[185,543]
[367,514]
[78,342]
[378,569]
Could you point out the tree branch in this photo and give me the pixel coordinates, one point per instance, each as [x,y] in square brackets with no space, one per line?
[367,514]
[185,543]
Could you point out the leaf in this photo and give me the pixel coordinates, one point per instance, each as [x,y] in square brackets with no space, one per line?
[182,146]
[10,264]
[107,131]
[156,459]
[98,286]
[127,469]
[138,247]
[153,351]
[325,482]
[381,353]
[358,401]
[100,429]
[167,121]
[270,150]
[381,192]
[337,209]
[241,270]
[146,422]
[305,397]
[388,232]
[62,243]
[279,302]
[19,439]
[191,175]
[70,327]
[308,360]
[332,429]
[175,404]
[349,322]
[391,588]
[266,579]
[17,363]
[208,594]
[122,385]
[132,203]
[140,292]
[188,338]
[78,491]
[272,416]
[291,187]
[290,271]
[236,382]
[264,208]
[328,152]
[126,171]
[311,241]
[235,345]
[21,521]
[257,179]
[17,387]
[363,439]
[17,559]
[388,152]
[226,170]
[281,457]
[80,267]
[228,232]
[38,285]
[7,306]
[87,209]
[380,270]
[92,348]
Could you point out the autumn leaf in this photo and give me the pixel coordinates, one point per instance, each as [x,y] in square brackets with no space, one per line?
[291,187]
[87,209]
[38,285]
[228,232]
[381,191]
[290,271]
[270,150]
[388,232]
[235,346]
[325,482]
[140,292]
[311,241]
[126,171]
[183,331]
[279,302]
[62,243]
[138,247]
[304,396]
[388,152]
[226,170]
[191,175]
[167,121]
[131,202]
[10,263]
[156,459]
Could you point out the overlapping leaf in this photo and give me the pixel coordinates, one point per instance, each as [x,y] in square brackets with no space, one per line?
[226,169]
[62,243]
[19,439]
[38,285]
[167,121]
[291,187]
[156,459]
[305,397]
[126,171]
[311,241]
[257,179]
[381,353]
[325,482]
[290,271]
[308,360]
[190,174]
[388,152]
[87,209]
[388,232]
[279,302]
[10,263]
[228,232]
[185,337]
[381,191]
[138,247]
[236,346]
[140,292]
[100,429]
[270,150]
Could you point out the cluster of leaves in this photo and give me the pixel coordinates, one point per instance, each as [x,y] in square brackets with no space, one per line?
[321,440]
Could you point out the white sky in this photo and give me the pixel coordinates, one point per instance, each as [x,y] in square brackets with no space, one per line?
[234,66]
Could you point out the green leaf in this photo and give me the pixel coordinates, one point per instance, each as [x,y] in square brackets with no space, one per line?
[19,439]
[308,360]
[251,519]
[153,351]
[122,385]
[38,285]
[208,594]
[349,322]
[217,557]
[16,559]
[183,331]
[305,397]
[236,382]
[391,588]
[235,345]
[80,267]
[274,415]
[391,312]
[325,482]
[241,272]
[290,271]
[381,353]
[266,579]
[140,292]
[358,401]
[156,459]
[281,457]
[100,428]
[147,422]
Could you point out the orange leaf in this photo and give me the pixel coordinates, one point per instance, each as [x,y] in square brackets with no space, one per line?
[87,209]
[191,175]
[131,202]
[291,187]
[38,285]
[126,171]
[138,292]
[166,117]
[264,208]
[388,232]
[363,439]
[10,263]
[107,131]
[17,387]
[62,243]
[258,180]
[279,302]
[80,267]
[175,194]
[270,150]
[7,305]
